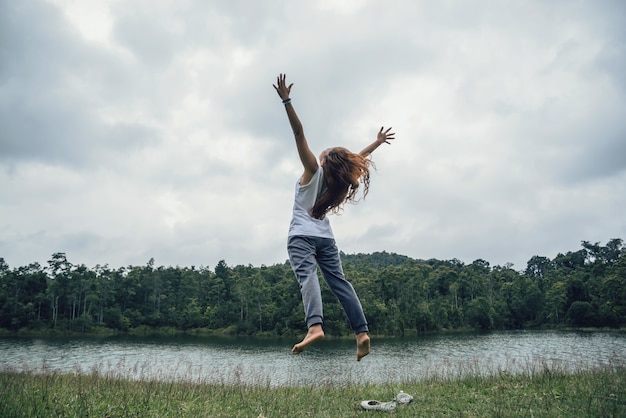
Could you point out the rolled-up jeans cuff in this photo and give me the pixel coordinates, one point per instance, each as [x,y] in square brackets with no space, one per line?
[362,328]
[314,320]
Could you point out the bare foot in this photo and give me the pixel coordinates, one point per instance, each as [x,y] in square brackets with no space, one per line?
[362,345]
[314,334]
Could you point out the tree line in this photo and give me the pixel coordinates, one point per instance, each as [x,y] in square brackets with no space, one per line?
[400,295]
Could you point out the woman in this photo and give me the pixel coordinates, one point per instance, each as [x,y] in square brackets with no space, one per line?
[321,189]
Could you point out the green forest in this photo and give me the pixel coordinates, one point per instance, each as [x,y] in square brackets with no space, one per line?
[400,295]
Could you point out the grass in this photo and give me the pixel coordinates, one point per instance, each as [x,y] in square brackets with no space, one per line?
[538,392]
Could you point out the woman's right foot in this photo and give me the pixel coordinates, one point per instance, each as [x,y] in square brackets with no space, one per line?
[362,345]
[314,334]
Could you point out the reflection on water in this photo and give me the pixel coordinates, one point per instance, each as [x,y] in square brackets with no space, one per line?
[269,362]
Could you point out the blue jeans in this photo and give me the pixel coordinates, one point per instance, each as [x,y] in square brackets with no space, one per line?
[305,254]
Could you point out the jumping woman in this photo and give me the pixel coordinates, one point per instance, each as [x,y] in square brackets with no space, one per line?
[323,188]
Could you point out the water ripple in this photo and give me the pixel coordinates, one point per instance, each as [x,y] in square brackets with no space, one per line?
[269,363]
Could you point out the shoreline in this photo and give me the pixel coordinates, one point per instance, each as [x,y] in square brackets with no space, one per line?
[226,333]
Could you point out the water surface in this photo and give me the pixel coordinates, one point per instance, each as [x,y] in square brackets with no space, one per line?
[269,362]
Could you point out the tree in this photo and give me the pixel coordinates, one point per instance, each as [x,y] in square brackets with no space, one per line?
[556,303]
[480,313]
[538,268]
[399,295]
[59,270]
[581,314]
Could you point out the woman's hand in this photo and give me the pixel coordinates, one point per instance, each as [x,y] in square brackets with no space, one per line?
[282,89]
[385,136]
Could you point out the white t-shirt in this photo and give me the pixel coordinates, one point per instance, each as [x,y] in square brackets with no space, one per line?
[302,223]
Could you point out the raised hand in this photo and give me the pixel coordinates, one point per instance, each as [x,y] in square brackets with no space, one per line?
[385,136]
[281,88]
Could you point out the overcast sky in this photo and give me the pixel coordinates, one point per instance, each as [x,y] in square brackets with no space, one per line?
[138,129]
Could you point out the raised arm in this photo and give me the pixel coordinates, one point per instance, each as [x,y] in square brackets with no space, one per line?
[381,138]
[308,159]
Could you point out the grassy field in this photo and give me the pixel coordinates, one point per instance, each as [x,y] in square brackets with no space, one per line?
[542,393]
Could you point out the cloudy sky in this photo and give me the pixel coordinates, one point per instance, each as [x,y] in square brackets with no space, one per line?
[138,129]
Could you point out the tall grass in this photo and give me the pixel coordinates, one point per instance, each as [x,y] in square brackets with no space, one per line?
[541,390]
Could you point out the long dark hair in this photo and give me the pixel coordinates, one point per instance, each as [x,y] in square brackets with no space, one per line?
[344,171]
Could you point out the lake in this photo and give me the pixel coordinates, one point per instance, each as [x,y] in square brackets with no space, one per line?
[269,362]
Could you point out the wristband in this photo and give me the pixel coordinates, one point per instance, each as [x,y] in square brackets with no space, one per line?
[286,102]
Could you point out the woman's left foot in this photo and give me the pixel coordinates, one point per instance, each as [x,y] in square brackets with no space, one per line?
[314,334]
